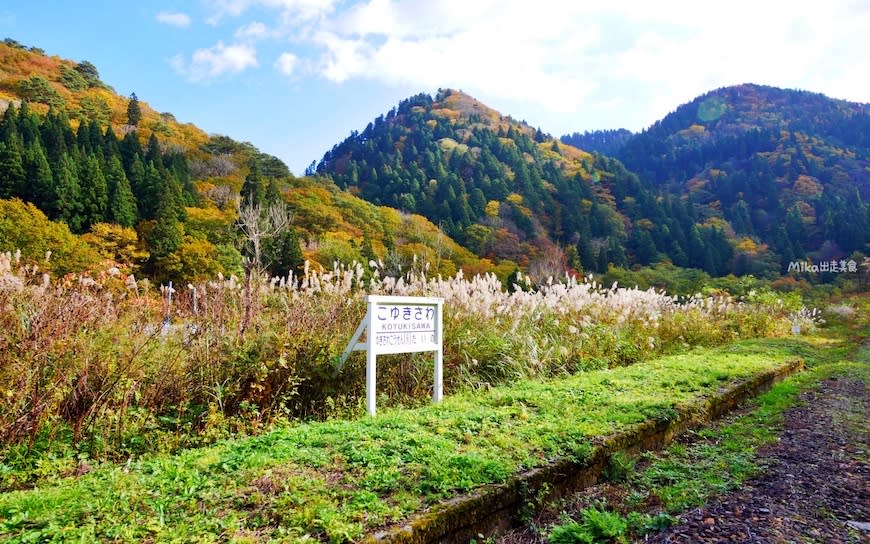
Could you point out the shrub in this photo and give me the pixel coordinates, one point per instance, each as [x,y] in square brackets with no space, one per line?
[38,89]
[24,225]
[108,364]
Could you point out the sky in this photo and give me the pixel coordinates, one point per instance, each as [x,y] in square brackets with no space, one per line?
[295,77]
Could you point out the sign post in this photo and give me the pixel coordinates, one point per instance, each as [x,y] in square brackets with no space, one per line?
[399,325]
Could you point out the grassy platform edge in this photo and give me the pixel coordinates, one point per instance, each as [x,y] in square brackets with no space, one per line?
[494,506]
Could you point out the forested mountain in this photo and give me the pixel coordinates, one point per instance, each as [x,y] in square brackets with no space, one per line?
[512,193]
[125,183]
[789,171]
[741,180]
[606,142]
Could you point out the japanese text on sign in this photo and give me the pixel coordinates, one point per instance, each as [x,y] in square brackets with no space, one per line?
[403,328]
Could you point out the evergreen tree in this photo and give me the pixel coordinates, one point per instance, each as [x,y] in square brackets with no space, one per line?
[52,132]
[152,153]
[601,265]
[273,193]
[39,188]
[167,234]
[284,254]
[130,149]
[68,207]
[254,188]
[643,246]
[150,191]
[136,176]
[616,253]
[12,175]
[95,192]
[111,145]
[572,258]
[134,112]
[9,125]
[122,203]
[587,256]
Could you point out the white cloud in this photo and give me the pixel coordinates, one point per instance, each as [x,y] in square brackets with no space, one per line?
[290,10]
[286,63]
[174,18]
[612,58]
[511,50]
[255,31]
[215,61]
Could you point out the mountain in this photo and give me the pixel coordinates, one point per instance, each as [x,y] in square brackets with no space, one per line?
[513,194]
[97,175]
[606,142]
[787,171]
[742,180]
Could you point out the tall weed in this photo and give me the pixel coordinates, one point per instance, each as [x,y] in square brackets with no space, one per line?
[105,364]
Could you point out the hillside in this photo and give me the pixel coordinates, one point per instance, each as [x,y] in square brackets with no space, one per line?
[606,142]
[513,194]
[789,171]
[123,182]
[742,180]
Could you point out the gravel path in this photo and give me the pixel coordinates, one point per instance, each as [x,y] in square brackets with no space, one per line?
[816,487]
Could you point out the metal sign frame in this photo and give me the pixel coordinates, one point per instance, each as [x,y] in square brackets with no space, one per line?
[399,325]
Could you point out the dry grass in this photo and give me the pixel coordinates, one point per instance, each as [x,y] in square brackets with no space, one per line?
[94,362]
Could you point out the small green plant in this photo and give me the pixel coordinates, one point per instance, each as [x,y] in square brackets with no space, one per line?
[598,527]
[532,502]
[570,532]
[641,524]
[618,468]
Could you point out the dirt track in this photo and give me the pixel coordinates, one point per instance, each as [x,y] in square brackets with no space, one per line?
[818,479]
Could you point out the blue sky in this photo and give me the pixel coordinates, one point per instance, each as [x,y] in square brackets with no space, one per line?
[294,77]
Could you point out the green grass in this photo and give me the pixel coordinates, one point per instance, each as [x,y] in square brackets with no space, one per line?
[721,457]
[336,479]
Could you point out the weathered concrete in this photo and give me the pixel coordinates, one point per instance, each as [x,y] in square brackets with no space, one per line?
[494,508]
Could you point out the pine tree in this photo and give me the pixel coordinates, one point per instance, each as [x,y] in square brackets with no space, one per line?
[615,252]
[136,177]
[285,254]
[643,246]
[111,145]
[95,192]
[122,203]
[167,234]
[52,131]
[40,185]
[68,207]
[12,175]
[9,124]
[273,192]
[152,153]
[150,190]
[130,149]
[587,256]
[254,189]
[601,266]
[134,112]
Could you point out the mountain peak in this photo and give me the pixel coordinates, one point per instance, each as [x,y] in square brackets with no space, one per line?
[466,105]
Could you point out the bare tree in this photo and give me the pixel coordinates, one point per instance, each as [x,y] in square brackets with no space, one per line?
[258,225]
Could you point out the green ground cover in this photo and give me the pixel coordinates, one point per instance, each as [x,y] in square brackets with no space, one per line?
[336,479]
[718,458]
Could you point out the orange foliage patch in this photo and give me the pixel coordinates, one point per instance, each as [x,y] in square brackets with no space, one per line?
[807,186]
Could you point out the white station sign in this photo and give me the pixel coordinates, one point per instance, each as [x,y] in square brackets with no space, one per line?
[405,327]
[398,325]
